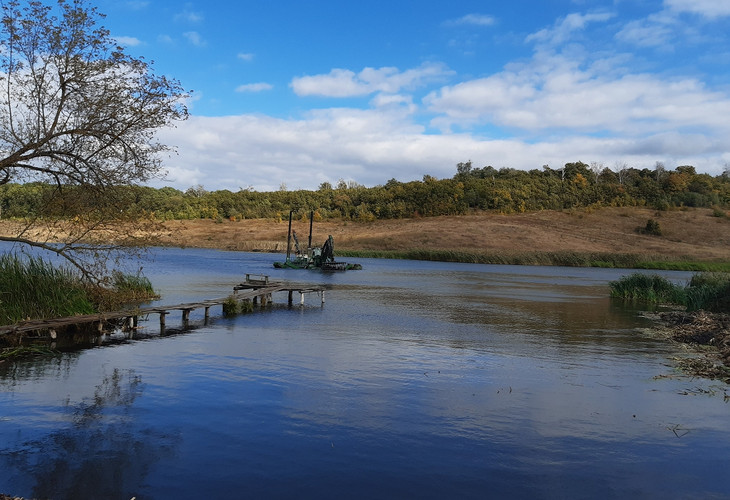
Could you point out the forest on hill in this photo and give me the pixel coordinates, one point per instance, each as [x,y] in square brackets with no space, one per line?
[504,190]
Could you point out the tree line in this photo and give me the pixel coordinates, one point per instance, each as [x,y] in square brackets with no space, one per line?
[504,190]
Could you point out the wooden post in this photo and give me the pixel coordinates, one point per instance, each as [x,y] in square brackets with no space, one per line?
[301,297]
[185,316]
[322,295]
[162,319]
[291,293]
[207,313]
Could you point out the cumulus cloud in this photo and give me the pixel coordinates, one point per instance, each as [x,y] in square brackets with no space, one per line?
[245,56]
[555,93]
[560,105]
[347,83]
[372,146]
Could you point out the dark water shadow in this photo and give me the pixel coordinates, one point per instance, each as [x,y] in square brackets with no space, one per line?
[100,452]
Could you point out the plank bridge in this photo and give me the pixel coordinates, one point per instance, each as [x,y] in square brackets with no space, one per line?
[256,289]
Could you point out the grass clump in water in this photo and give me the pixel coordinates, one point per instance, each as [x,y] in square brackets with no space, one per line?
[648,288]
[123,290]
[231,306]
[705,291]
[709,291]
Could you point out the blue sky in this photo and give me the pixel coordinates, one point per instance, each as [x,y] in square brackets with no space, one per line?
[292,93]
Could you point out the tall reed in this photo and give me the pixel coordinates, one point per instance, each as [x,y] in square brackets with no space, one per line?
[32,288]
[648,288]
[566,258]
[707,291]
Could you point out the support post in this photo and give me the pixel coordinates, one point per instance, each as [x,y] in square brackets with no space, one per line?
[301,298]
[288,238]
[291,293]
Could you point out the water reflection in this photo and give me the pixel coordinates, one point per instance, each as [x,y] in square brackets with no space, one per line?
[95,450]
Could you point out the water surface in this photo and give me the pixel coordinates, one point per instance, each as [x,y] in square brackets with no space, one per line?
[414,379]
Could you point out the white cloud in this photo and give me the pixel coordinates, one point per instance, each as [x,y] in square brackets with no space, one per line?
[381,101]
[347,83]
[555,94]
[372,146]
[194,38]
[654,31]
[245,56]
[189,16]
[565,27]
[254,87]
[566,103]
[127,41]
[473,19]
[708,8]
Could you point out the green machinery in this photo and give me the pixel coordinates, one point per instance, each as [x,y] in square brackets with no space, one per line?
[313,257]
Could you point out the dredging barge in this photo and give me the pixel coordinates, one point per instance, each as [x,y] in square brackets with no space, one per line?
[322,258]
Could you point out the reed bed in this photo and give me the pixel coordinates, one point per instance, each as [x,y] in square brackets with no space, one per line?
[568,259]
[33,288]
[705,291]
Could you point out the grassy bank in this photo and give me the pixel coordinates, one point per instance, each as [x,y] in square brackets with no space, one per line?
[32,288]
[570,259]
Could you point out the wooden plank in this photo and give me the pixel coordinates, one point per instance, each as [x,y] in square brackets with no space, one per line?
[241,292]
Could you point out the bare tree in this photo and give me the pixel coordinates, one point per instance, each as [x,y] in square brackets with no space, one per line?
[596,168]
[622,169]
[78,114]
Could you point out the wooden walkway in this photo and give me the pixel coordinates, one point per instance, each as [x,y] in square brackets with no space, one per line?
[256,289]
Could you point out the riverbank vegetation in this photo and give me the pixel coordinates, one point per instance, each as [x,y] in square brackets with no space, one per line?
[536,258]
[705,291]
[704,322]
[33,288]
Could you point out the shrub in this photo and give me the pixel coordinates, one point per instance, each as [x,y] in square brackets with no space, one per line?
[652,227]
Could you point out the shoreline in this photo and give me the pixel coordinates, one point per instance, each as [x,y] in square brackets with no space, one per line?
[690,239]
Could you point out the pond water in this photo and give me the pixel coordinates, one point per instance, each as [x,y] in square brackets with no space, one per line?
[413,380]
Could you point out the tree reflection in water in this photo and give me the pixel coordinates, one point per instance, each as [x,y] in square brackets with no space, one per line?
[103,453]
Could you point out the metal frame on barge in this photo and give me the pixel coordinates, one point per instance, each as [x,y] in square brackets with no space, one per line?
[322,258]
